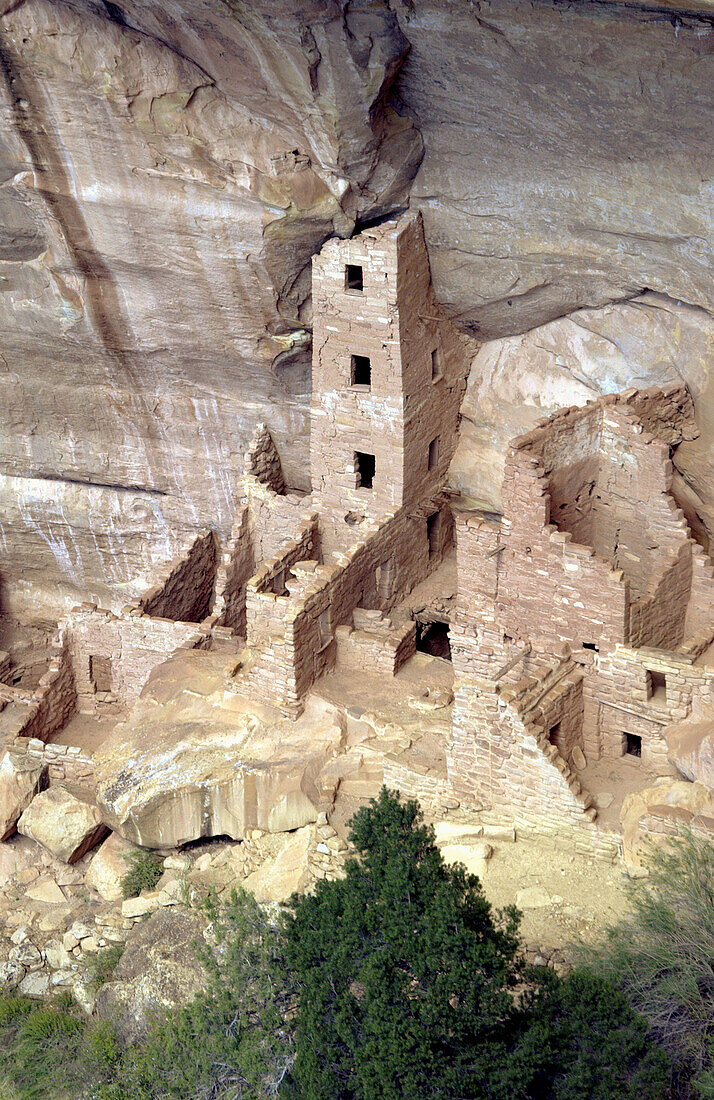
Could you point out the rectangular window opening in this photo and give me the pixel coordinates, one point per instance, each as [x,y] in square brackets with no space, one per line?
[437,366]
[433,524]
[433,454]
[592,646]
[360,370]
[100,673]
[657,687]
[354,279]
[554,735]
[364,468]
[633,745]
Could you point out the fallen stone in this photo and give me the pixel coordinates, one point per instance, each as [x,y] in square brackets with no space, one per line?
[48,891]
[34,985]
[207,762]
[158,970]
[26,955]
[533,897]
[20,780]
[56,955]
[108,866]
[139,907]
[578,758]
[11,974]
[64,822]
[54,920]
[604,799]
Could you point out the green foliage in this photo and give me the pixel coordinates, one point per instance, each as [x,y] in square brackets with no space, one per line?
[662,956]
[233,1040]
[405,972]
[581,1038]
[411,987]
[103,964]
[40,1046]
[145,870]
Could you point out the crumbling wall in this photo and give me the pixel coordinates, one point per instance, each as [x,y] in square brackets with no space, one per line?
[550,589]
[133,644]
[235,568]
[658,619]
[262,460]
[375,644]
[185,591]
[296,635]
[43,712]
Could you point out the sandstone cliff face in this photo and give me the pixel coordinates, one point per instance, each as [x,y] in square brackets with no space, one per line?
[169,167]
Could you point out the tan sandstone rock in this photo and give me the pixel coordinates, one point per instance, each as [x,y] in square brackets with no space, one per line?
[108,867]
[286,874]
[691,750]
[19,782]
[656,813]
[64,822]
[207,761]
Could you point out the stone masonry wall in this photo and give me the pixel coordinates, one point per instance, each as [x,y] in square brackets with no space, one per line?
[134,644]
[628,705]
[417,376]
[46,710]
[185,591]
[297,635]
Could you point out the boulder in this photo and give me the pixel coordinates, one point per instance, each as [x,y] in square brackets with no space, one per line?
[108,867]
[691,750]
[277,879]
[64,821]
[194,759]
[158,970]
[656,813]
[20,779]
[47,891]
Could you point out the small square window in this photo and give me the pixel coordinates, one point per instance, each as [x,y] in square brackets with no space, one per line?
[433,459]
[657,686]
[364,468]
[354,277]
[437,365]
[633,745]
[360,370]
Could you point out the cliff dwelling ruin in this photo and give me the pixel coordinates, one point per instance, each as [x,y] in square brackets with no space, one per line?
[382,628]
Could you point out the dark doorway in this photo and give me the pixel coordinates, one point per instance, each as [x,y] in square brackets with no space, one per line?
[633,745]
[433,638]
[100,673]
[433,529]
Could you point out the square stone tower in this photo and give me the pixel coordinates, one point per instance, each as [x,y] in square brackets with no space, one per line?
[387,378]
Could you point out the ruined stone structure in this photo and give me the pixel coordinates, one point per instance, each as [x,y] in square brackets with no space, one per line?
[579,628]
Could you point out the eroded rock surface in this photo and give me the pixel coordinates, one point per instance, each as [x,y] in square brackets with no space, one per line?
[169,168]
[655,814]
[691,750]
[195,758]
